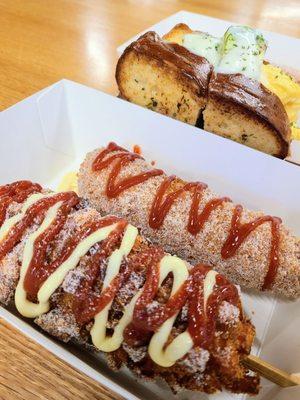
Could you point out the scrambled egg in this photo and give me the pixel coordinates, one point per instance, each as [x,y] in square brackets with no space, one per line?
[288,90]
[68,183]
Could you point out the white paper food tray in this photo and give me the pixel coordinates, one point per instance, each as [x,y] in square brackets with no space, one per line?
[282,50]
[48,134]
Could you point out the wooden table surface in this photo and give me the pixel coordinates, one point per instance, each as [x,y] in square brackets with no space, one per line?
[44,41]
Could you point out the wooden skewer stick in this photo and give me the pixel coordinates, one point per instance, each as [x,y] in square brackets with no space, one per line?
[271,373]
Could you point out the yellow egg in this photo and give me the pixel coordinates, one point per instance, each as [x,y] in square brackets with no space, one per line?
[287,89]
[295,132]
[68,183]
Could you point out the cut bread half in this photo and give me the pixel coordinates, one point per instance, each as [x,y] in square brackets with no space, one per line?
[164,77]
[242,109]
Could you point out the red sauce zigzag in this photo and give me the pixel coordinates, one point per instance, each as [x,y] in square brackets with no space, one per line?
[201,320]
[118,158]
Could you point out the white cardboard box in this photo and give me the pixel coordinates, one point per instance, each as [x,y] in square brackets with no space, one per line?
[49,133]
[282,50]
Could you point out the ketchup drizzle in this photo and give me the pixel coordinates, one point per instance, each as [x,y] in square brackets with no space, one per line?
[201,319]
[39,270]
[38,209]
[239,232]
[166,196]
[18,192]
[163,201]
[86,303]
[122,158]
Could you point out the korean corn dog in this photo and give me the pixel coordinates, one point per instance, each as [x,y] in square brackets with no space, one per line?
[253,250]
[94,280]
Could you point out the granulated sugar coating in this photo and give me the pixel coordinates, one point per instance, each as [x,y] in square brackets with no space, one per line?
[135,354]
[60,323]
[9,274]
[196,360]
[229,335]
[228,313]
[247,267]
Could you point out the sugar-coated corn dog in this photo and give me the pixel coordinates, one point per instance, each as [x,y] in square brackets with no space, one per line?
[251,249]
[96,281]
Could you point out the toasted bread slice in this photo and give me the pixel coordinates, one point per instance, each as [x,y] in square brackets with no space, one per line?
[242,109]
[164,77]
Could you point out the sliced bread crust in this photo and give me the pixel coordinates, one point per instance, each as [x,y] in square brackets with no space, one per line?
[242,109]
[164,77]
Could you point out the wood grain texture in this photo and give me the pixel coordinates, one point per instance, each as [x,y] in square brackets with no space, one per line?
[270,372]
[43,41]
[29,372]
